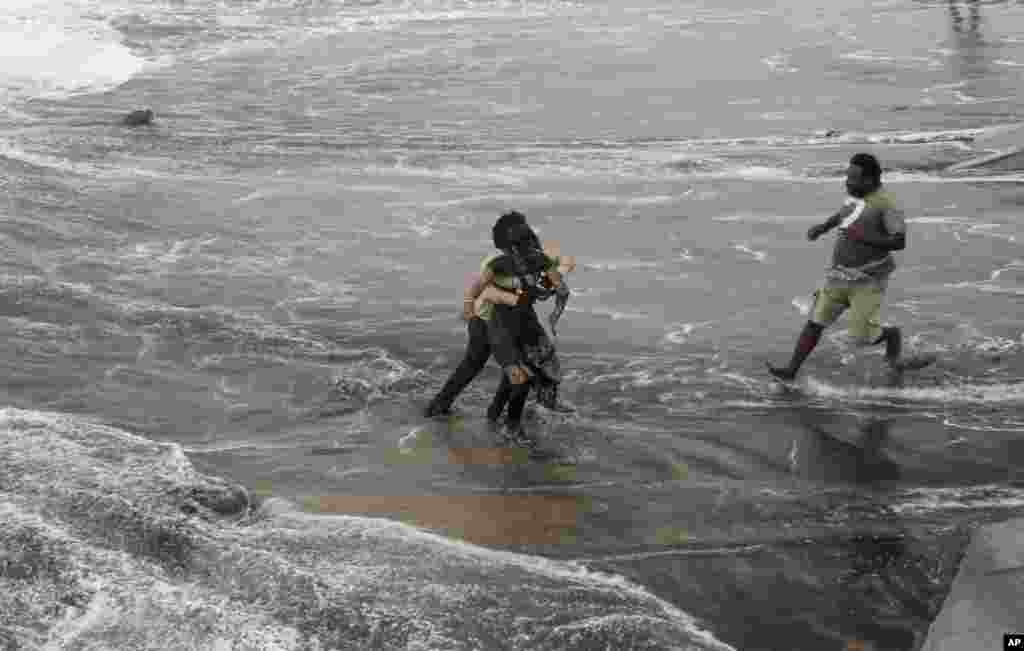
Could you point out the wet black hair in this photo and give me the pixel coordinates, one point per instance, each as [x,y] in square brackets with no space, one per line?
[869,164]
[521,236]
[499,232]
[525,246]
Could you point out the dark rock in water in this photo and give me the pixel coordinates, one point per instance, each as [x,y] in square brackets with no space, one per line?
[832,133]
[218,496]
[138,118]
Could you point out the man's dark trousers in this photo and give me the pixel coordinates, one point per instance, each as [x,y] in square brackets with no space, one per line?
[478,351]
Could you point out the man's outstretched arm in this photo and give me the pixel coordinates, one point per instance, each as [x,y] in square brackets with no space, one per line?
[818,230]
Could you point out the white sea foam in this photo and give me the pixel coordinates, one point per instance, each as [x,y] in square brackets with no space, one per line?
[651,200]
[620,265]
[1016,265]
[628,378]
[803,304]
[964,98]
[760,256]
[573,572]
[930,500]
[876,57]
[679,334]
[754,173]
[55,49]
[764,218]
[14,152]
[750,404]
[997,393]
[779,174]
[852,137]
[1010,426]
[987,288]
[668,553]
[779,63]
[614,315]
[912,177]
[975,340]
[315,565]
[937,220]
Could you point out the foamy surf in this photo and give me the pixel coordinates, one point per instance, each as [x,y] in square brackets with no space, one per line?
[902,137]
[967,393]
[803,304]
[679,334]
[1008,426]
[744,248]
[620,265]
[115,537]
[987,288]
[894,177]
[66,167]
[927,501]
[56,50]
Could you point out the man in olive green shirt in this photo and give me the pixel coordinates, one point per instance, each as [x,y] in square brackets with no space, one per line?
[483,293]
[478,349]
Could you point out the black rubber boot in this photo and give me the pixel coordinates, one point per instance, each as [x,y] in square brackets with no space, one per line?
[893,339]
[512,433]
[808,339]
[501,397]
[517,402]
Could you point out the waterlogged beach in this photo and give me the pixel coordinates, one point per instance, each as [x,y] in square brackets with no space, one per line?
[261,291]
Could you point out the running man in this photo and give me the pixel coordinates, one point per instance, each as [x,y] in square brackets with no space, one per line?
[871,226]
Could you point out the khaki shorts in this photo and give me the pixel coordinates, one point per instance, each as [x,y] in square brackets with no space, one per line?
[864,303]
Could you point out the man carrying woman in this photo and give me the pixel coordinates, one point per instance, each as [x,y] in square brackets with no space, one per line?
[501,320]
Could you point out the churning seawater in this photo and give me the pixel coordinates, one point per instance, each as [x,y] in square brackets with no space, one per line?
[265,286]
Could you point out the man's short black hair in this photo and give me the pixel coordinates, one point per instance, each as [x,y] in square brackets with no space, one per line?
[869,164]
[500,230]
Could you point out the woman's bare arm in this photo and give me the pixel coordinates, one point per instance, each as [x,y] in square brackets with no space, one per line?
[482,288]
[473,289]
[493,294]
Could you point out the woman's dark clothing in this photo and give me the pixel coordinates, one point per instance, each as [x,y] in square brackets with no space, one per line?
[517,337]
